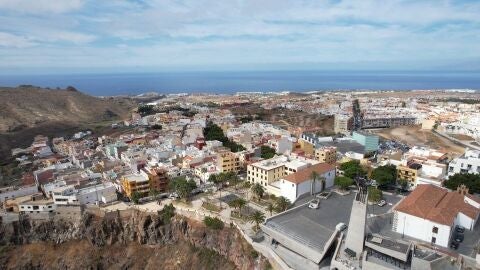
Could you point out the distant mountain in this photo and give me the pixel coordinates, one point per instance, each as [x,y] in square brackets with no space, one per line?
[29,106]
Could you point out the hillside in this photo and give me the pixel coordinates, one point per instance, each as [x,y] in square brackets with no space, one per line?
[27,111]
[128,241]
[28,106]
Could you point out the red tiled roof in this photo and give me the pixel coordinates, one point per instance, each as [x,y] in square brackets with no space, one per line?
[305,174]
[436,204]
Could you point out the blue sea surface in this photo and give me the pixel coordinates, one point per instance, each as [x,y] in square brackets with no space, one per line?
[230,82]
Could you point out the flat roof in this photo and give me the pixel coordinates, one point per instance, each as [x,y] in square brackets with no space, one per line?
[313,227]
[135,178]
[344,146]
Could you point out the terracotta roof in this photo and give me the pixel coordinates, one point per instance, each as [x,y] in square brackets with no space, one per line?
[436,204]
[305,174]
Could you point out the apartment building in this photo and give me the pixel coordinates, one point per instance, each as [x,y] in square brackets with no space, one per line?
[342,123]
[228,161]
[267,171]
[469,162]
[326,155]
[157,178]
[135,183]
[409,173]
[94,194]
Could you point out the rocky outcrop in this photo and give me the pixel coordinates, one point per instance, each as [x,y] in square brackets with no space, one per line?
[141,230]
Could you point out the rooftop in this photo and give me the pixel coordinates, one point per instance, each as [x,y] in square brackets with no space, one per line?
[306,174]
[437,204]
[313,227]
[135,178]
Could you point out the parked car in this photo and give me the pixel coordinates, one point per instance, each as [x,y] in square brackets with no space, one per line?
[341,226]
[459,229]
[382,203]
[173,196]
[454,245]
[458,237]
[314,204]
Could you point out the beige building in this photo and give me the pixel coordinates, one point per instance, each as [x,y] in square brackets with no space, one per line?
[341,123]
[228,161]
[326,155]
[307,147]
[267,171]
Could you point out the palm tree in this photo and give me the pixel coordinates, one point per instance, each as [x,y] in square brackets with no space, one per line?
[257,217]
[270,208]
[258,190]
[282,204]
[241,204]
[314,176]
[234,179]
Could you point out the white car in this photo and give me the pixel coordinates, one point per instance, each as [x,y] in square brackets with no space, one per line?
[382,203]
[173,196]
[314,204]
[341,226]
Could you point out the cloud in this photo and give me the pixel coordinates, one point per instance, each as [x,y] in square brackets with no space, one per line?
[40,6]
[9,40]
[206,32]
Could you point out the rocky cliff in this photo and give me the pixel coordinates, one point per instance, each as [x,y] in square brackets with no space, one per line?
[139,241]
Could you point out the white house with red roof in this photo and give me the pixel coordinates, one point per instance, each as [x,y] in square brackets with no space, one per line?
[298,183]
[430,213]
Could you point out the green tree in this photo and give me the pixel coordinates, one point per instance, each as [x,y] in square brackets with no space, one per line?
[241,203]
[343,182]
[257,217]
[282,204]
[267,152]
[352,169]
[402,183]
[167,213]
[258,190]
[214,132]
[135,197]
[213,223]
[374,194]
[234,180]
[385,175]
[182,186]
[470,180]
[270,208]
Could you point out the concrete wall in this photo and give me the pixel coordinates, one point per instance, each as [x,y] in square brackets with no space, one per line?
[422,229]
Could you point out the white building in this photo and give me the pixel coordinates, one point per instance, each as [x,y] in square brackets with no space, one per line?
[430,213]
[296,184]
[37,206]
[15,192]
[467,163]
[104,193]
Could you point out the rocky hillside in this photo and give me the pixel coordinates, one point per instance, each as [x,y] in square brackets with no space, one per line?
[29,106]
[140,241]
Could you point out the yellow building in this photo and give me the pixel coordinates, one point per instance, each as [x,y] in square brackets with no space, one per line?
[267,171]
[308,148]
[408,173]
[148,179]
[326,155]
[228,161]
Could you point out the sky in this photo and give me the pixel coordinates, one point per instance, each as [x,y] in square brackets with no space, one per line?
[67,36]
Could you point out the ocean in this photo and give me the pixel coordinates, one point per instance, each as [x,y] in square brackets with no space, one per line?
[229,82]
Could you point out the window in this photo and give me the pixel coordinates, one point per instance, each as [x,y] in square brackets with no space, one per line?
[434,239]
[435,229]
